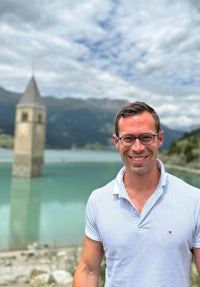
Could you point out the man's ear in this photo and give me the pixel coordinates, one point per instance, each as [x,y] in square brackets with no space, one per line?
[160,138]
[116,141]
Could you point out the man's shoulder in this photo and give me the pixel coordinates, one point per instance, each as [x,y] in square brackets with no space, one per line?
[180,181]
[108,187]
[178,184]
[103,192]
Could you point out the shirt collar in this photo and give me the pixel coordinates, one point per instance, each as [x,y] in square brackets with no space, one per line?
[119,188]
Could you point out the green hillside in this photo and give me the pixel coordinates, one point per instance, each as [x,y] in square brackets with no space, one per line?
[185,151]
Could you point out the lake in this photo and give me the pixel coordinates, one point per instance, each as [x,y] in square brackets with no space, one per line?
[51,209]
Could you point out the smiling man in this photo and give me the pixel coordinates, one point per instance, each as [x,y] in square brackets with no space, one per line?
[146,221]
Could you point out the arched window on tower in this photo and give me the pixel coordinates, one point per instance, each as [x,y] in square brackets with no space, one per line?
[24,117]
[39,118]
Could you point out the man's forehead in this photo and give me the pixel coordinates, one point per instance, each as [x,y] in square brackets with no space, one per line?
[142,122]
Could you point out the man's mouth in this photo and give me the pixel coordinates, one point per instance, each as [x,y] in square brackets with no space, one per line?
[138,158]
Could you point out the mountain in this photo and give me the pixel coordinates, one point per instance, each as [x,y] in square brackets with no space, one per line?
[74,123]
[190,128]
[80,123]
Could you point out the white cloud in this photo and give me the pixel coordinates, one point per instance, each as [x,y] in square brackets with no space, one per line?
[118,49]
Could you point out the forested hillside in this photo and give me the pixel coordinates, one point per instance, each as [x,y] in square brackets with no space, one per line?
[185,151]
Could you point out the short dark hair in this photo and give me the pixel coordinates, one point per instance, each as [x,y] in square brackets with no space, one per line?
[134,109]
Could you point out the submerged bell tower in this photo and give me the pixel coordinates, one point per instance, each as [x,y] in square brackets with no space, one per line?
[30,130]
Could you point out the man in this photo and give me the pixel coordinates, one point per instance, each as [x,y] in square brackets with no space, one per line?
[146,221]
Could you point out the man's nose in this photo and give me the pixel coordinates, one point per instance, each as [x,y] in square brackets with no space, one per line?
[137,145]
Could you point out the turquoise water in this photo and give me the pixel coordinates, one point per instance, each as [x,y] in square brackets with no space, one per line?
[51,209]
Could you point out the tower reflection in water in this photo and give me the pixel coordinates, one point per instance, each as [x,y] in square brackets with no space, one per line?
[25,212]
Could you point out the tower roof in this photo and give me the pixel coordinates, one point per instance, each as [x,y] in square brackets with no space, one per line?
[31,96]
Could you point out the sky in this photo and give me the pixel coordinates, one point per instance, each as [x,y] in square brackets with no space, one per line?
[117,49]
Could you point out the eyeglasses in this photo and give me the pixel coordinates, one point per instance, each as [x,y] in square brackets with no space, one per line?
[145,139]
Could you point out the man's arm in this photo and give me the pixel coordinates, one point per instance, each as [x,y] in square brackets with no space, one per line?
[197,258]
[88,269]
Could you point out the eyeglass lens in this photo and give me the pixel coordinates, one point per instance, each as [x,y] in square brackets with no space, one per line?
[144,139]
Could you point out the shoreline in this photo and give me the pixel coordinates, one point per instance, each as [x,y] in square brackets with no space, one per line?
[188,169]
[65,159]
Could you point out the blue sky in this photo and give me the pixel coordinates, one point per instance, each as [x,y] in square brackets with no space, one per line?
[117,49]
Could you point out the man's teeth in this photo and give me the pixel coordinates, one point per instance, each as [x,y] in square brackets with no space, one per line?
[137,158]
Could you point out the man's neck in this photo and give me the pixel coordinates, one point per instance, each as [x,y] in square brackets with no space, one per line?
[141,186]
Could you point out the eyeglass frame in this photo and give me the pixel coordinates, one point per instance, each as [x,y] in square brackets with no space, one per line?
[139,138]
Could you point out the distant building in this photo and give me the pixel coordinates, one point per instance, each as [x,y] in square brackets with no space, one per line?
[30,129]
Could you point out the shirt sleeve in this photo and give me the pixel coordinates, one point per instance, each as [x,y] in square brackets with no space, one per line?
[197,229]
[91,228]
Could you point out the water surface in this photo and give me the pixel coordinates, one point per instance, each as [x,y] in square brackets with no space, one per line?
[51,209]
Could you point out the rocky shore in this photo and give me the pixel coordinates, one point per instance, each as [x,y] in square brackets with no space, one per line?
[43,266]
[38,266]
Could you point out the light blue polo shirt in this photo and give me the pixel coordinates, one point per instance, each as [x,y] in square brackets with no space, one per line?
[152,248]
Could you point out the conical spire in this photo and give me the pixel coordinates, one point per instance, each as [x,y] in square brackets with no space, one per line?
[31,96]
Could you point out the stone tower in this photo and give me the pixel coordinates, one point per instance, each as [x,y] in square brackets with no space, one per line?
[30,129]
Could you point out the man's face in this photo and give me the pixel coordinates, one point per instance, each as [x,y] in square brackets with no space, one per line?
[138,158]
